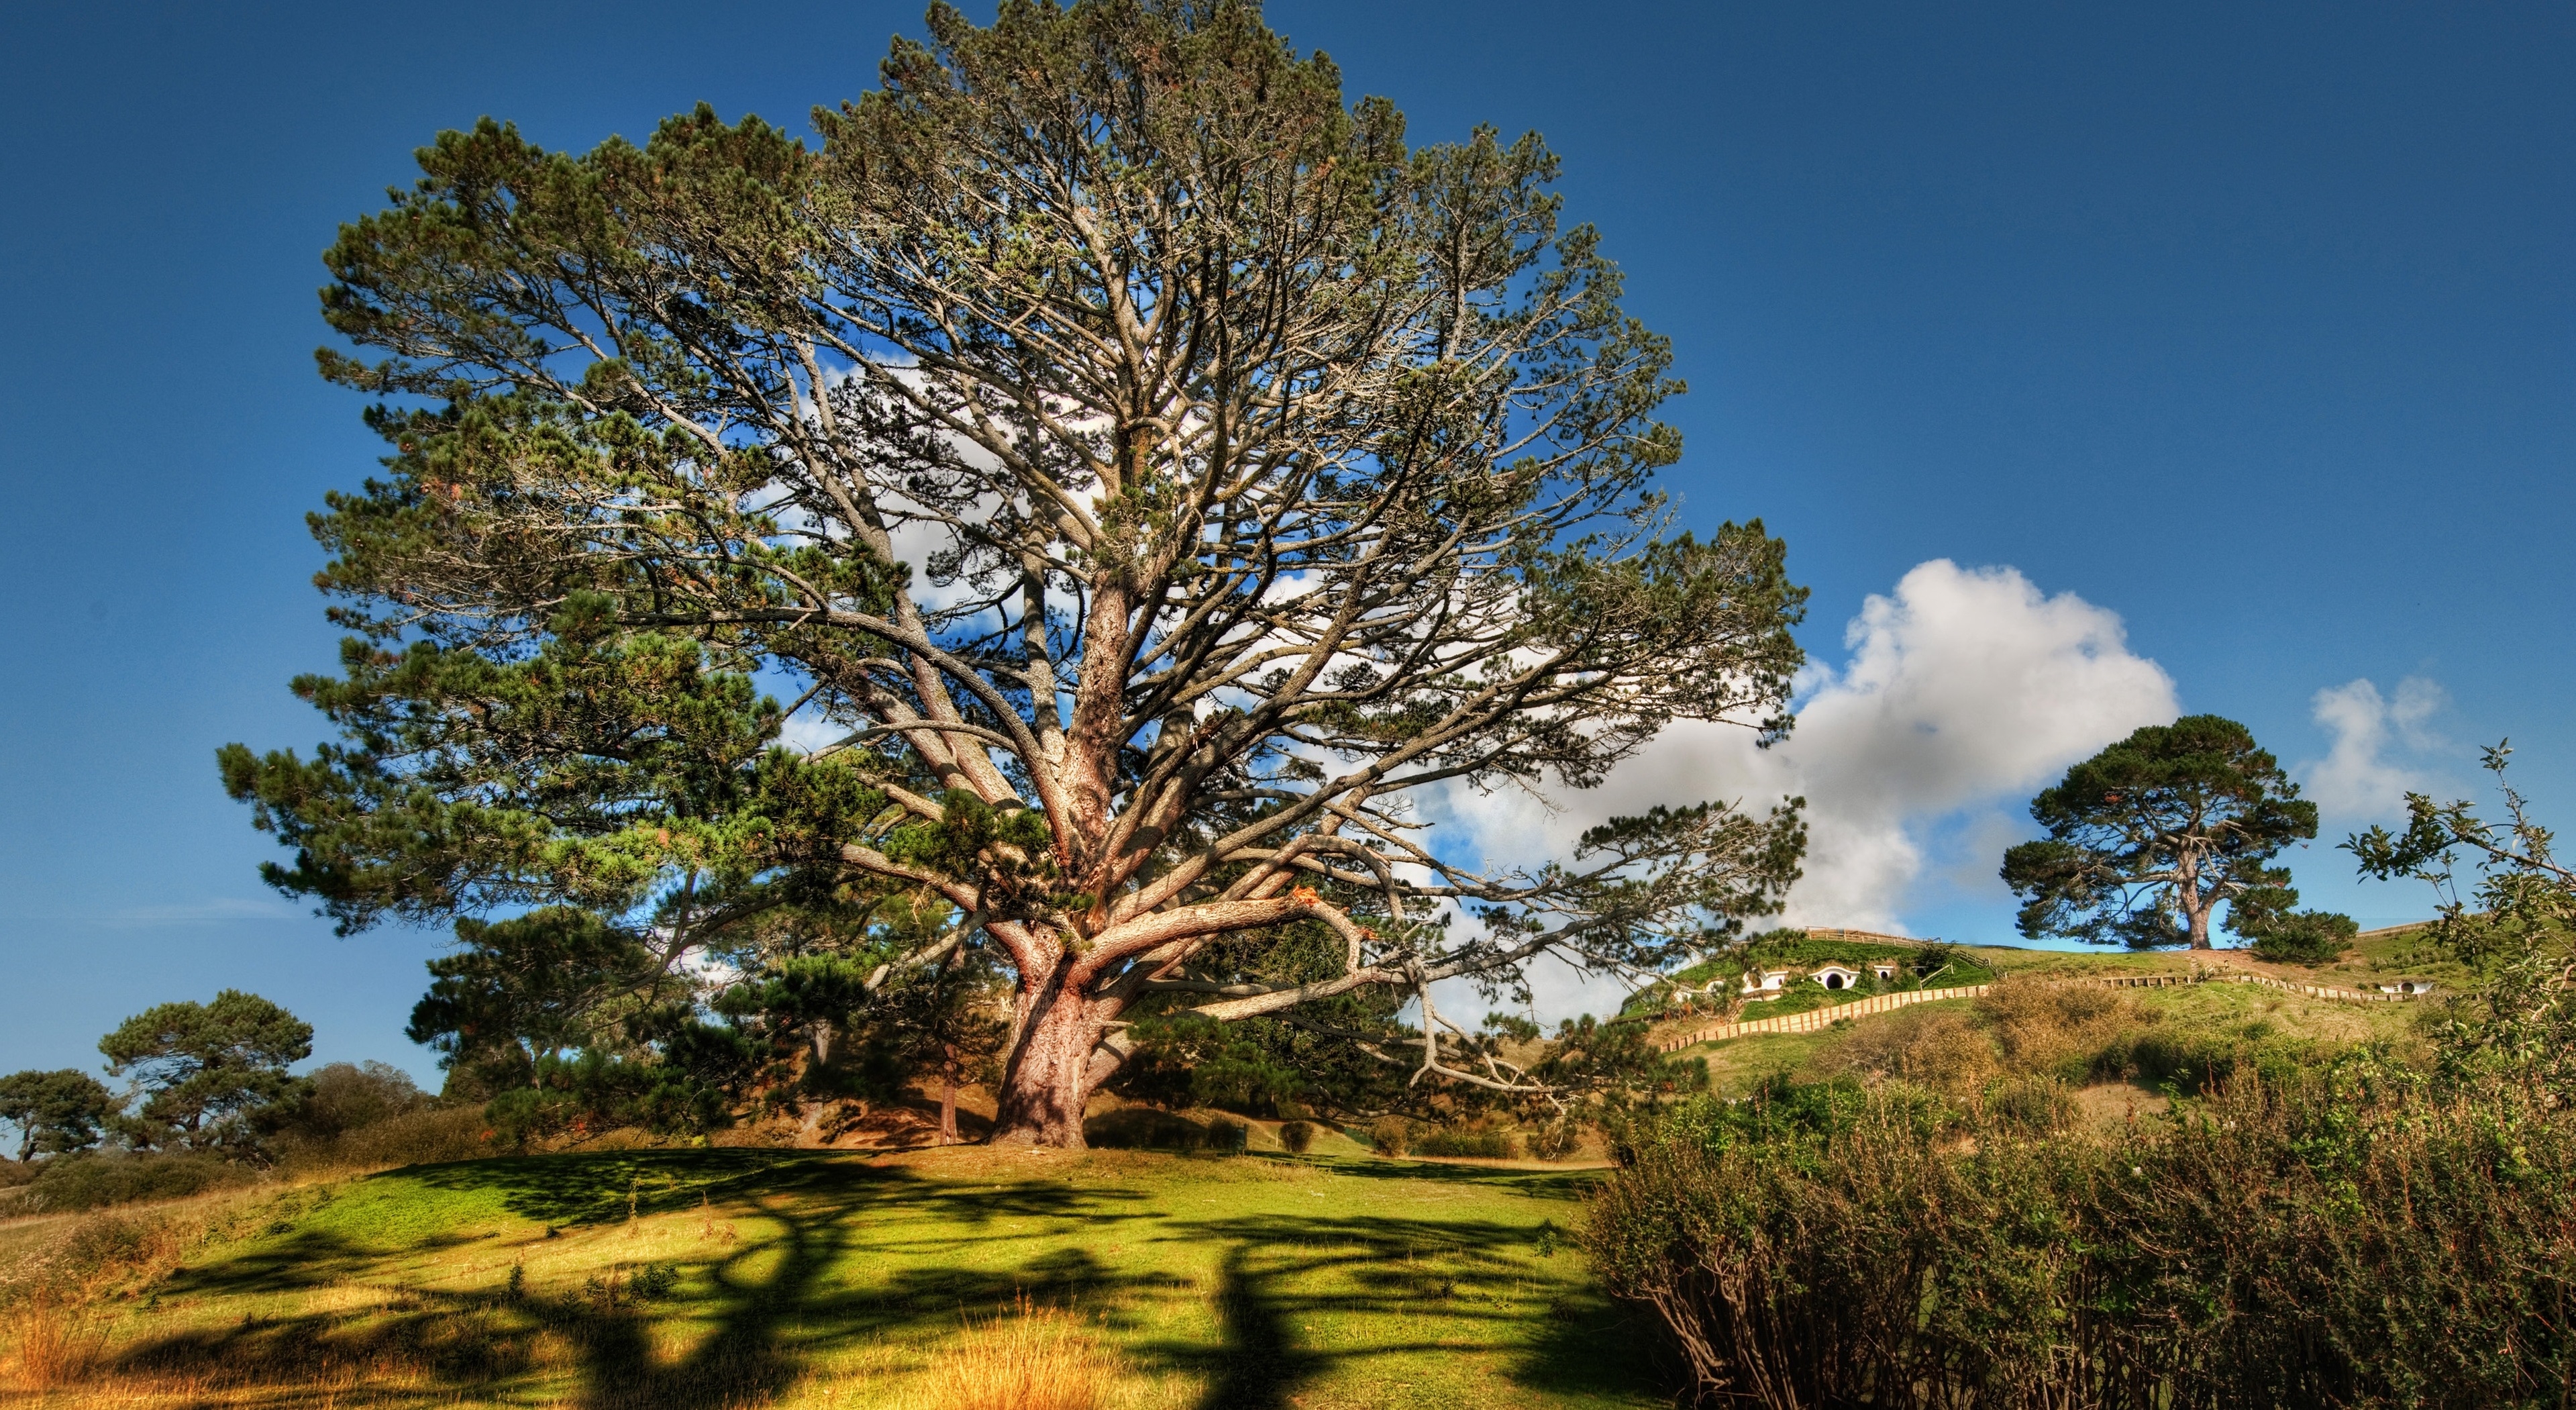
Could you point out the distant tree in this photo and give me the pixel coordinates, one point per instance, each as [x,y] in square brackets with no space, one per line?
[343,1096]
[56,1112]
[2147,838]
[200,1067]
[1158,473]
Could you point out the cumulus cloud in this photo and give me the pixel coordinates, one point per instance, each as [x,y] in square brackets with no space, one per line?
[1961,693]
[1967,689]
[2358,777]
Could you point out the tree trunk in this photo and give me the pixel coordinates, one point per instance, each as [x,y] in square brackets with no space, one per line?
[2195,906]
[948,1095]
[1047,1081]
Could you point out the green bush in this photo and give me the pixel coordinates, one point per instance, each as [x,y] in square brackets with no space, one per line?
[1467,1143]
[1391,1136]
[597,1091]
[1297,1137]
[1557,1140]
[424,1135]
[2306,938]
[1143,1128]
[2344,1238]
[344,1096]
[1228,1136]
[95,1180]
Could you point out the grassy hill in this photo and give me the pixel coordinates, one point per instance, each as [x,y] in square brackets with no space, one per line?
[739,1277]
[2117,1048]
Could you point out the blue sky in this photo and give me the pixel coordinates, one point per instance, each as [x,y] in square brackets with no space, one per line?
[2245,331]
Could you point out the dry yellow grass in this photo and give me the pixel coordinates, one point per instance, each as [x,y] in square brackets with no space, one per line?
[50,1345]
[1032,1357]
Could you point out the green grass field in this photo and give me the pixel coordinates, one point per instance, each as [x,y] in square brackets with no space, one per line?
[814,1279]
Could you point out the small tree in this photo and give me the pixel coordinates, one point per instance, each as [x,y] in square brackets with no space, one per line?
[56,1112]
[1156,472]
[343,1097]
[522,990]
[2513,917]
[2269,917]
[201,1067]
[2147,838]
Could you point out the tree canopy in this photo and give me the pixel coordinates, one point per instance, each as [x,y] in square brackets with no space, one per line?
[198,1066]
[2147,838]
[56,1112]
[1147,476]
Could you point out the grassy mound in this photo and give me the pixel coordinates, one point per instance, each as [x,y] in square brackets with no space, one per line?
[2144,1043]
[742,1277]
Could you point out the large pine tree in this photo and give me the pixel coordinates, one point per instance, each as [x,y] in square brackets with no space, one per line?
[1156,472]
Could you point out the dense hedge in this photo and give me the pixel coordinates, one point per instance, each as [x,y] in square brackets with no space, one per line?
[2343,1238]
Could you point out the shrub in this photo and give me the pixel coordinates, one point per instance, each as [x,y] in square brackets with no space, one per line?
[2042,1028]
[2030,1105]
[1841,1245]
[2306,938]
[1143,1128]
[598,1091]
[1466,1143]
[95,1180]
[426,1135]
[1940,1048]
[77,1260]
[1297,1137]
[1390,1136]
[345,1097]
[1557,1140]
[1228,1136]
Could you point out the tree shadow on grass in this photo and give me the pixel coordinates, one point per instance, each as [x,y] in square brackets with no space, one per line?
[1464,1277]
[850,1253]
[762,1308]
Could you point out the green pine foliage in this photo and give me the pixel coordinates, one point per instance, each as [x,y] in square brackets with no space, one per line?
[56,1112]
[657,416]
[204,1070]
[2149,837]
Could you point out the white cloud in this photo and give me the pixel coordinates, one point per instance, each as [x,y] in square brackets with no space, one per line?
[1964,691]
[2357,778]
[806,731]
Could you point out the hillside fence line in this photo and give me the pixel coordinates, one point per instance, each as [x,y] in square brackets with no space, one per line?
[1813,1019]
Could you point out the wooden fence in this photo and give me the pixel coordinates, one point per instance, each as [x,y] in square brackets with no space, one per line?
[2317,991]
[1814,1019]
[1835,932]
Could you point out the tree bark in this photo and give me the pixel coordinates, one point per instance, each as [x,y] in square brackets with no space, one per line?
[2195,906]
[948,1094]
[1048,1080]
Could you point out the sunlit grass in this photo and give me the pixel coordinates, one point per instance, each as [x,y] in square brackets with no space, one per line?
[716,1278]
